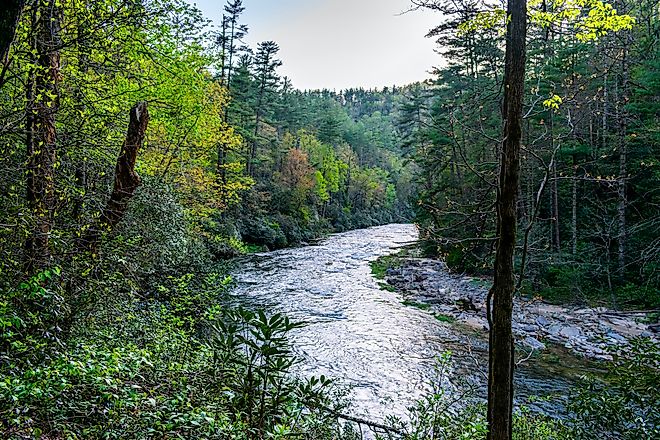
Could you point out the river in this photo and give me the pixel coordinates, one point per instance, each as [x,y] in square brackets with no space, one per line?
[362,334]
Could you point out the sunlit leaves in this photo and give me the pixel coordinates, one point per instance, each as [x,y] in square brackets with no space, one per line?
[553,102]
[484,20]
[590,19]
[601,19]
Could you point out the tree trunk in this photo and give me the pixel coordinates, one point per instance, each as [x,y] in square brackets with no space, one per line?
[603,144]
[556,240]
[9,16]
[623,152]
[221,169]
[501,349]
[126,179]
[574,208]
[252,148]
[41,136]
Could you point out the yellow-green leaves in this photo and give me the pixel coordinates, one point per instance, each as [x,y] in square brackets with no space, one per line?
[484,20]
[601,19]
[591,19]
[553,102]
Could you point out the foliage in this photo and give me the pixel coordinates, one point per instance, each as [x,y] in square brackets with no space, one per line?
[178,365]
[587,206]
[380,265]
[451,411]
[626,405]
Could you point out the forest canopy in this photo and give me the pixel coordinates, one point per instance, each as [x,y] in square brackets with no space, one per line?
[144,148]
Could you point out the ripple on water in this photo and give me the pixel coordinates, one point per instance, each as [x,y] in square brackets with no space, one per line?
[357,331]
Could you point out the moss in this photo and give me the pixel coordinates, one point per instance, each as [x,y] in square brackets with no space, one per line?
[388,287]
[379,266]
[417,305]
[444,318]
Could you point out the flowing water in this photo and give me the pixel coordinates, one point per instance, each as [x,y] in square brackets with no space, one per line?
[362,334]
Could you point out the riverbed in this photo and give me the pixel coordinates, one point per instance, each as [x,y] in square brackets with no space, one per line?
[364,335]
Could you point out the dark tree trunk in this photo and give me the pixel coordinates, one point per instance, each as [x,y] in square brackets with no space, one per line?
[554,196]
[126,179]
[221,166]
[41,136]
[500,301]
[623,163]
[574,201]
[10,13]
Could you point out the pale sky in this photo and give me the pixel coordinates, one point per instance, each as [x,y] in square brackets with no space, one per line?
[338,44]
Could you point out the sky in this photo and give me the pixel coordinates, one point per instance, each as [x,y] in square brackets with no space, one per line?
[339,44]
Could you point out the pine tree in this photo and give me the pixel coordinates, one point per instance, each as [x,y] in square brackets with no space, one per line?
[266,82]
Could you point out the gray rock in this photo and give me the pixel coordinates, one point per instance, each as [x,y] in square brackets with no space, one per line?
[555,329]
[617,337]
[542,321]
[529,328]
[570,332]
[533,343]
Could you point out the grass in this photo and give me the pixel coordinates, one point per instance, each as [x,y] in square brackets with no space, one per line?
[444,318]
[417,305]
[388,287]
[379,266]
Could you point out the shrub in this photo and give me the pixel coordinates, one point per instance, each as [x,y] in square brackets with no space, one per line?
[173,365]
[627,404]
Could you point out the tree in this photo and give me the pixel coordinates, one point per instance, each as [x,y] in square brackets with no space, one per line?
[9,17]
[126,178]
[230,37]
[476,59]
[500,297]
[41,136]
[267,81]
[228,40]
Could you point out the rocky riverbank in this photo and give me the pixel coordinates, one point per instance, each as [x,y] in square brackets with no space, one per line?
[588,332]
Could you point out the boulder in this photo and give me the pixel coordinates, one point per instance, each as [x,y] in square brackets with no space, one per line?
[533,343]
[570,332]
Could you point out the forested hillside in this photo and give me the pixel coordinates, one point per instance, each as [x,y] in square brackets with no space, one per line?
[140,147]
[150,159]
[588,208]
[231,151]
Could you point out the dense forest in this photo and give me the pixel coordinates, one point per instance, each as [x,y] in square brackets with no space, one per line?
[588,207]
[143,148]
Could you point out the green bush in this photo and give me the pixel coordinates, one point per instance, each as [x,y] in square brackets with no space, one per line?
[626,405]
[453,412]
[174,364]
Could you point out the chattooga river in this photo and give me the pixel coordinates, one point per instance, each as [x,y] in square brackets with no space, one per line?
[362,334]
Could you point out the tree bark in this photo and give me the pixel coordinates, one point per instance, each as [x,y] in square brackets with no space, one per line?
[41,135]
[574,207]
[623,164]
[9,16]
[126,179]
[500,298]
[554,202]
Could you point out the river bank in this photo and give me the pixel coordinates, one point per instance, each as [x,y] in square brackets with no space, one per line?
[592,333]
[385,351]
